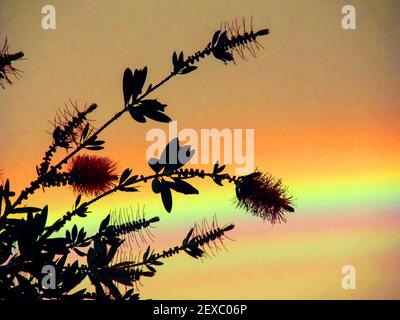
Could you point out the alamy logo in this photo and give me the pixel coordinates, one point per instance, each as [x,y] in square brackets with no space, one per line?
[49,278]
[349,278]
[349,18]
[49,19]
[208,145]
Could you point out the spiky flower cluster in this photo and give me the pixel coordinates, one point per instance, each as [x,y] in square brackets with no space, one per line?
[72,116]
[263,195]
[72,125]
[6,68]
[129,226]
[92,175]
[238,40]
[206,237]
[233,37]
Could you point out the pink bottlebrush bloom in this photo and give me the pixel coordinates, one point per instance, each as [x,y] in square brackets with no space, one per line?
[92,175]
[263,195]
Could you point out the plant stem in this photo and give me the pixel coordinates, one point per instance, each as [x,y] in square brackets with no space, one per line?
[56,226]
[36,183]
[199,240]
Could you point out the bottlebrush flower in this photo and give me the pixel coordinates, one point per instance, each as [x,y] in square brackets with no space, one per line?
[92,175]
[263,195]
[6,68]
[239,40]
[72,126]
[232,38]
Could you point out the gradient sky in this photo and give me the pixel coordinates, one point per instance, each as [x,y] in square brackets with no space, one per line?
[324,103]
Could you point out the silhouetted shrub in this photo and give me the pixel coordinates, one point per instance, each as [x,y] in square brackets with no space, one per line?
[29,243]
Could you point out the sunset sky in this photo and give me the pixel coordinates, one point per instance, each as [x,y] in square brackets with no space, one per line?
[324,103]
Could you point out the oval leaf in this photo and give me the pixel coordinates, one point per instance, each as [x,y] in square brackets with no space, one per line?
[127,83]
[166,198]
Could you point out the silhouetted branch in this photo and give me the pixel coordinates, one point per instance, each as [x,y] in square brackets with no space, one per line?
[219,46]
[29,243]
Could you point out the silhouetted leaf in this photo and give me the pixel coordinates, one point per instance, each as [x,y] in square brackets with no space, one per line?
[182,186]
[68,236]
[155,165]
[222,39]
[153,104]
[97,143]
[129,189]
[139,78]
[222,55]
[156,262]
[262,32]
[25,210]
[166,197]
[187,238]
[146,254]
[127,172]
[180,59]
[187,69]
[217,180]
[81,235]
[174,59]
[149,88]
[78,201]
[156,185]
[94,148]
[156,115]
[217,168]
[150,268]
[147,274]
[136,114]
[195,252]
[131,180]
[127,294]
[178,62]
[215,37]
[79,252]
[81,210]
[74,232]
[150,108]
[127,84]
[104,223]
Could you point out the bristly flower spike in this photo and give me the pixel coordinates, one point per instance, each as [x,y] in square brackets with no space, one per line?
[92,175]
[228,40]
[125,224]
[70,126]
[6,67]
[263,195]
